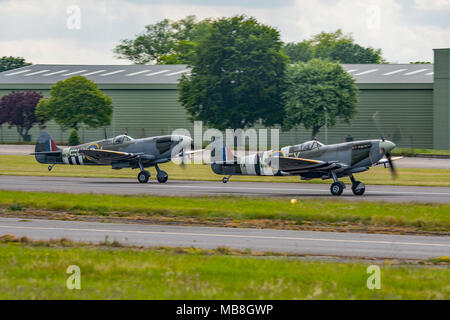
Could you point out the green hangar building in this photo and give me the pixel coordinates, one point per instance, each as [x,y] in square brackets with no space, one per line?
[410,101]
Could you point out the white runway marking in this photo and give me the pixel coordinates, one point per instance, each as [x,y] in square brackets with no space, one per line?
[233,236]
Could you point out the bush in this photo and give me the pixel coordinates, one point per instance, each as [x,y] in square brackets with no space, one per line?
[74,139]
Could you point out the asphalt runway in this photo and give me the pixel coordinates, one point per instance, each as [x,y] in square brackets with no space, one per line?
[299,242]
[217,188]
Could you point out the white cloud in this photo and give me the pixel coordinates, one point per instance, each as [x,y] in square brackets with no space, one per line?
[432,4]
[59,51]
[38,32]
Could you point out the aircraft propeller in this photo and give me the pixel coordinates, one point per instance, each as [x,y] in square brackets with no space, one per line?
[391,165]
[376,120]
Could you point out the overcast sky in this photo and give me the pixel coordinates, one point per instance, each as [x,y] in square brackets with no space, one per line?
[48,31]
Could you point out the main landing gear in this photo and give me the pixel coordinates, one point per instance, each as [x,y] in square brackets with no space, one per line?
[50,167]
[358,188]
[144,175]
[161,176]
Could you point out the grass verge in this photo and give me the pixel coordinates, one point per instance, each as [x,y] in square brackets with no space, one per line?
[419,217]
[27,166]
[37,270]
[408,152]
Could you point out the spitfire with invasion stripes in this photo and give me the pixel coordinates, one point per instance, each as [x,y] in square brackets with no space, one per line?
[119,152]
[309,160]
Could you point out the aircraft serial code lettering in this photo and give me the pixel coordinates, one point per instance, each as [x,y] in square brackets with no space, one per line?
[246,309]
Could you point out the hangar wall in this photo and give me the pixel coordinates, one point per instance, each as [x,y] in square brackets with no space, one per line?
[442,99]
[413,106]
[405,116]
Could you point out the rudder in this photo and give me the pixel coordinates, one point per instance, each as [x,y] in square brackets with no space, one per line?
[46,150]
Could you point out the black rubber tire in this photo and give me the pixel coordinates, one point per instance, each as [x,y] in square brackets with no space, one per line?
[358,188]
[162,177]
[224,179]
[337,188]
[143,176]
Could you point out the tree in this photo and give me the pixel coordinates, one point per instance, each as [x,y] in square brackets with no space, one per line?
[74,139]
[318,89]
[334,46]
[346,52]
[165,42]
[18,109]
[76,101]
[9,63]
[300,51]
[237,75]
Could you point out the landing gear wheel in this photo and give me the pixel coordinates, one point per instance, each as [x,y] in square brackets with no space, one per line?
[143,176]
[225,179]
[162,176]
[337,188]
[358,188]
[50,168]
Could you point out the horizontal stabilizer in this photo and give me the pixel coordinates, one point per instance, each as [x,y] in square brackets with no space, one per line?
[47,153]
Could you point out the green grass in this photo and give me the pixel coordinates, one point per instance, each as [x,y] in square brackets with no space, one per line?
[27,165]
[421,216]
[34,271]
[408,152]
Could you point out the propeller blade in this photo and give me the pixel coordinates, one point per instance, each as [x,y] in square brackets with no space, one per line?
[182,163]
[391,165]
[376,120]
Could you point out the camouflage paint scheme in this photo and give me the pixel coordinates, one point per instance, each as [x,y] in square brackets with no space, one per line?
[119,152]
[343,159]
[309,160]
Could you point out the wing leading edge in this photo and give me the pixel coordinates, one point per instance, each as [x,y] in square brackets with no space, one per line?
[297,165]
[108,155]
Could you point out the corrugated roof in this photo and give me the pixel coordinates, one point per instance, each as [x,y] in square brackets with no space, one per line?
[101,74]
[170,74]
[391,73]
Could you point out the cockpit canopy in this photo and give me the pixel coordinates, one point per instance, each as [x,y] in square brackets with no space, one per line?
[121,139]
[311,145]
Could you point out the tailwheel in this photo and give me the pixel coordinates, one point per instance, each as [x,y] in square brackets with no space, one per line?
[358,188]
[226,179]
[143,176]
[162,176]
[337,188]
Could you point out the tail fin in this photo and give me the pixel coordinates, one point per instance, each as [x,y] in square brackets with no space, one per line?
[45,143]
[221,153]
[46,150]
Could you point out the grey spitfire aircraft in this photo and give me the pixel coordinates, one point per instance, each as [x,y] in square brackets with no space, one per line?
[309,160]
[119,152]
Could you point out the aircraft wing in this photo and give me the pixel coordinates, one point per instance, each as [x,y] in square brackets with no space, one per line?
[295,165]
[108,155]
